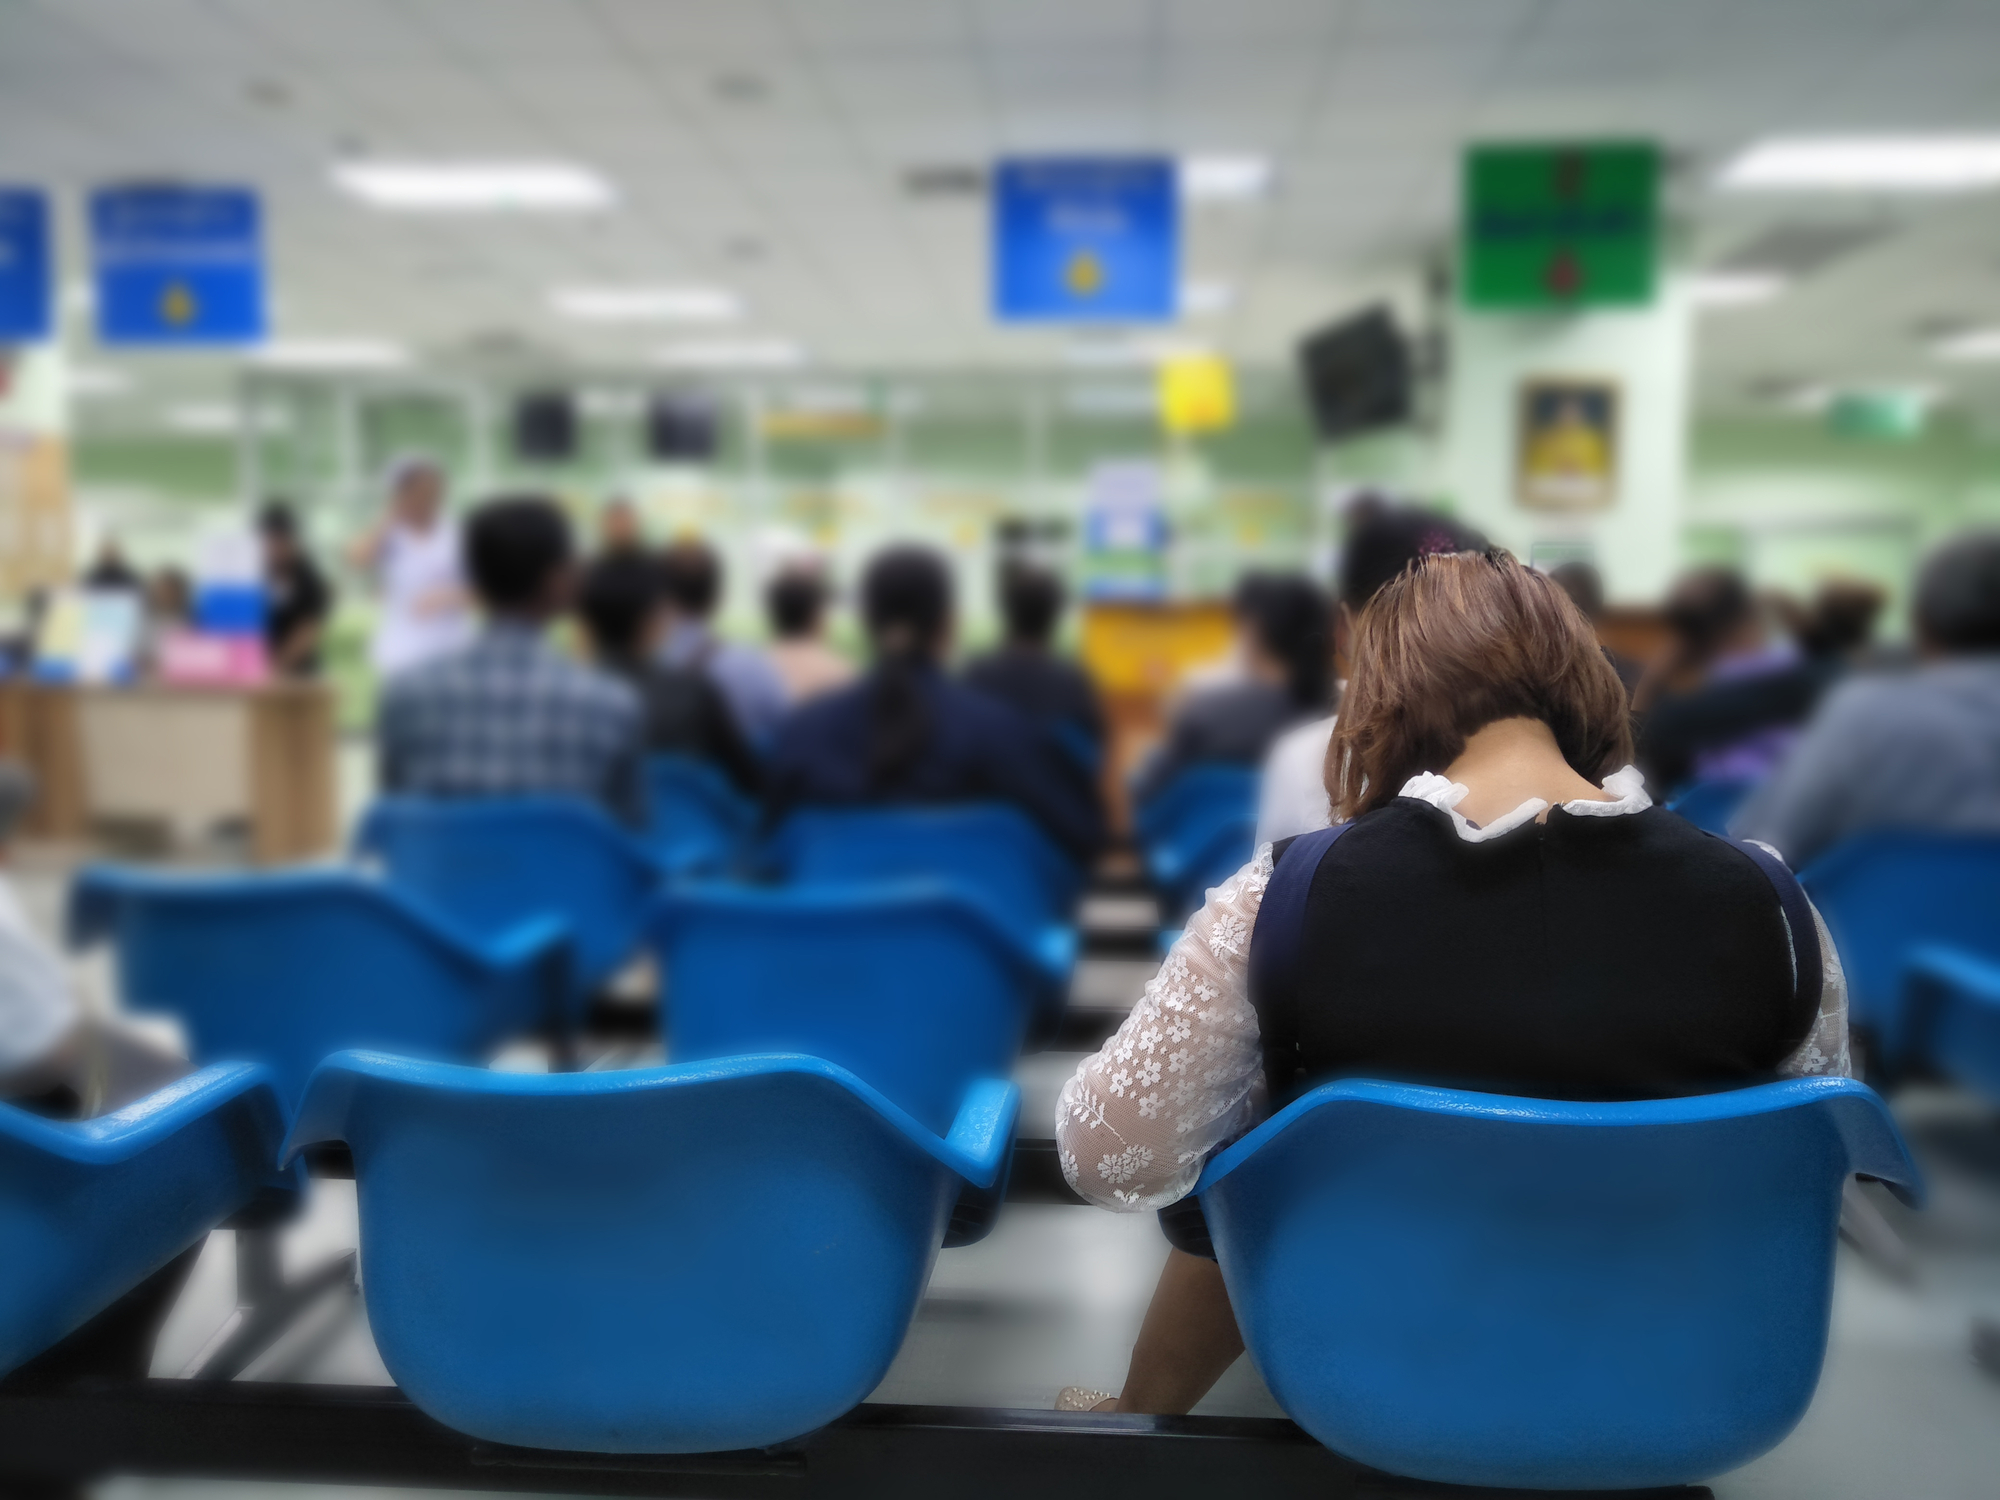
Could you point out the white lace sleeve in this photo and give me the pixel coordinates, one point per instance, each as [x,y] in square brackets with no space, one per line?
[1824,1051]
[1183,1074]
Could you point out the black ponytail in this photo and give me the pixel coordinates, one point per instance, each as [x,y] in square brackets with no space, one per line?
[906,602]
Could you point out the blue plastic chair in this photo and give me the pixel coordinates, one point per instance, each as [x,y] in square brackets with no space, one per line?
[1194,801]
[699,822]
[911,987]
[1226,849]
[283,969]
[1711,804]
[676,1260]
[91,1208]
[491,863]
[1471,1289]
[1952,1016]
[989,850]
[1885,894]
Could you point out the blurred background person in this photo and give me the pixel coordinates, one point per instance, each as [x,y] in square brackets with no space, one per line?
[1722,700]
[1585,587]
[624,614]
[1026,671]
[1382,541]
[413,555]
[111,572]
[297,598]
[1285,648]
[1903,750]
[907,733]
[618,528]
[505,715]
[795,602]
[692,577]
[1838,624]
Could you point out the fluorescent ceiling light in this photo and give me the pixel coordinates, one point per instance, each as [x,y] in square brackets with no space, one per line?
[1975,344]
[1908,164]
[1221,178]
[733,354]
[475,187]
[639,304]
[1734,288]
[88,381]
[1201,298]
[331,354]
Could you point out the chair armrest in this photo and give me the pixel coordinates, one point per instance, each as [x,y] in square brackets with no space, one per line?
[160,1115]
[982,1135]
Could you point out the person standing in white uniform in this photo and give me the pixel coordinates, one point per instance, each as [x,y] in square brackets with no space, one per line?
[413,555]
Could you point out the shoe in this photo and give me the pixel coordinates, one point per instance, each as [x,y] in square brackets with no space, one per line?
[1081,1398]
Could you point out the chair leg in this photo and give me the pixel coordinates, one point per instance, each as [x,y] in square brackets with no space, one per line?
[266,1304]
[1863,1227]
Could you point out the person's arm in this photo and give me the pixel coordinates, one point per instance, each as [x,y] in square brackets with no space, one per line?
[300,646]
[1824,1051]
[1183,1075]
[366,551]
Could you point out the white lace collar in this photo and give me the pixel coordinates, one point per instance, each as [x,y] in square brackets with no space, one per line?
[1627,785]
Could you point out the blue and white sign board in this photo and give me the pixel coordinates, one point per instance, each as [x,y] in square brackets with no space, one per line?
[1086,240]
[178,265]
[27,285]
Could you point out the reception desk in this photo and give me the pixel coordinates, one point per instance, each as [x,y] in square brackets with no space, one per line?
[183,759]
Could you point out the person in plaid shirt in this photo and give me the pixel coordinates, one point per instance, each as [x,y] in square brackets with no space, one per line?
[506,715]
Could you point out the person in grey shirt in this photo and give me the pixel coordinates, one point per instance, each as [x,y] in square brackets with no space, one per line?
[1919,749]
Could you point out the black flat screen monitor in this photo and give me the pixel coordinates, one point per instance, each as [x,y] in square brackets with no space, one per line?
[1357,375]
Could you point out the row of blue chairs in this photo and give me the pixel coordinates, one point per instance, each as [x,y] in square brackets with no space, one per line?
[1455,1287]
[1193,834]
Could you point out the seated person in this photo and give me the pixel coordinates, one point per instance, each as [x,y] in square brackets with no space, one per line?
[505,715]
[1903,750]
[692,575]
[907,733]
[1285,652]
[685,714]
[1049,689]
[1722,701]
[1382,541]
[1480,758]
[795,600]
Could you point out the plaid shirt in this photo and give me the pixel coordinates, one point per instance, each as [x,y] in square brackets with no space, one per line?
[506,715]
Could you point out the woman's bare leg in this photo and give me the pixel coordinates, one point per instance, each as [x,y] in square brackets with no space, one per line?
[1188,1339]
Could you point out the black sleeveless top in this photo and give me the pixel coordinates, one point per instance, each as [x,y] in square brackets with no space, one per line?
[1623,957]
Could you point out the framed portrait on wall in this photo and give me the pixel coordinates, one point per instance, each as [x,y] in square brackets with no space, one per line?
[1566,444]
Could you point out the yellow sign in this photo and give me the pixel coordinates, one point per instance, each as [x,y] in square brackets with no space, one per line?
[1084,275]
[1567,444]
[1197,394]
[177,305]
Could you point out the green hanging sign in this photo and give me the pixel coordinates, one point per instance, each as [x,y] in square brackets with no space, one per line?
[1564,225]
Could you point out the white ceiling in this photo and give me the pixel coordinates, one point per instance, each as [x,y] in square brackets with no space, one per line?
[793,196]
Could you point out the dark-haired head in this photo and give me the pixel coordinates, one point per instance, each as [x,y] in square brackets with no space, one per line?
[517,551]
[1584,585]
[1958,595]
[1707,609]
[906,604]
[691,578]
[1031,601]
[620,601]
[1290,623]
[1383,543]
[795,600]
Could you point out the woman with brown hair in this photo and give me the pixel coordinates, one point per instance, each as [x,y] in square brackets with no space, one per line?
[1500,908]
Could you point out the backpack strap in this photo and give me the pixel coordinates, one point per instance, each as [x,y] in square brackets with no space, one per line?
[1274,952]
[1808,974]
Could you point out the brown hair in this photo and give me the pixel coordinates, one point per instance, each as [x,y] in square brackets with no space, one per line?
[1460,640]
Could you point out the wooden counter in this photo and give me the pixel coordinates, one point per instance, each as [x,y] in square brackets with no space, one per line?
[187,758]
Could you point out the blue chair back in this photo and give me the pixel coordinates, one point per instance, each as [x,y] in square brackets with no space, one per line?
[1194,800]
[989,849]
[699,822]
[1226,849]
[1711,804]
[285,969]
[491,863]
[1477,1290]
[684,1259]
[89,1209]
[910,987]
[1952,1016]
[1884,894]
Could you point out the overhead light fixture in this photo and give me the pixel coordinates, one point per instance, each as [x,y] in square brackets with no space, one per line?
[1223,178]
[1200,299]
[331,354]
[475,186]
[664,304]
[86,382]
[732,354]
[1734,288]
[1974,345]
[1861,163]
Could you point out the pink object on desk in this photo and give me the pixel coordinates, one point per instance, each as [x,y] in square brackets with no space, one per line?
[193,659]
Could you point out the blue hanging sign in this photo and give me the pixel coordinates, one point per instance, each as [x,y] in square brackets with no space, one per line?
[1086,240]
[27,287]
[178,265]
